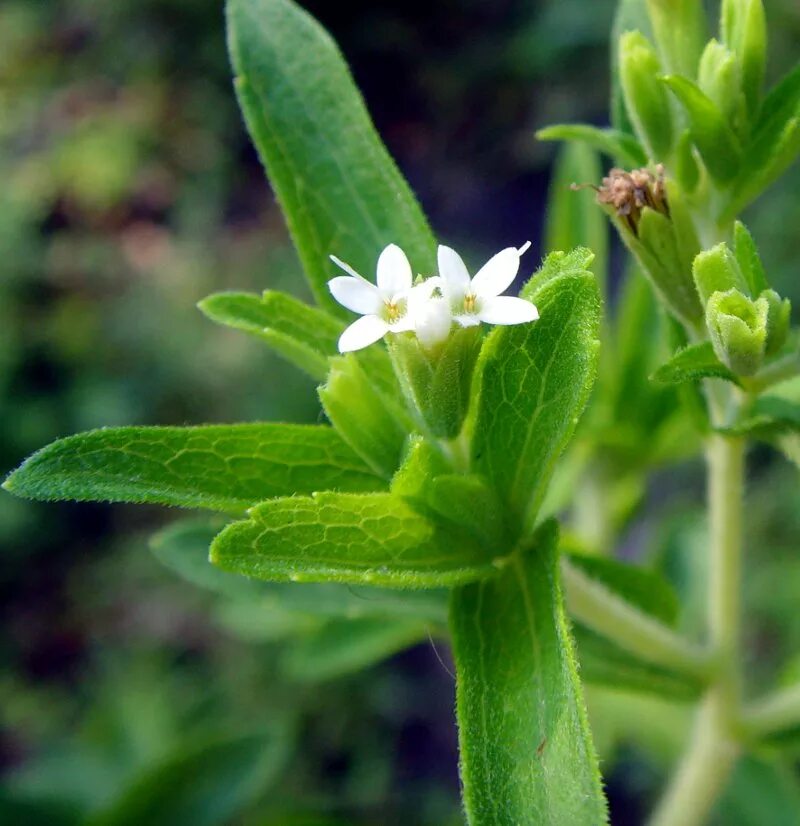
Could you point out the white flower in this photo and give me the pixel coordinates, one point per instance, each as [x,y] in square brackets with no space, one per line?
[383,308]
[478,299]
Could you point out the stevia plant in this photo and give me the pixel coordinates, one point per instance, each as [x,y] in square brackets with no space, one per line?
[449,403]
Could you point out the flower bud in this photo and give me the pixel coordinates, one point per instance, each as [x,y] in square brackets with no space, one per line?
[645,97]
[744,31]
[737,326]
[778,318]
[717,270]
[719,77]
[437,378]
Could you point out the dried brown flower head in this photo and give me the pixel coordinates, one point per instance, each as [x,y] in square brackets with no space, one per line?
[630,192]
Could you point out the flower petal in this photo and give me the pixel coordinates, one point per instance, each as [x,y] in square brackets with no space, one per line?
[394,271]
[467,319]
[362,332]
[507,310]
[497,274]
[433,321]
[346,267]
[454,274]
[356,294]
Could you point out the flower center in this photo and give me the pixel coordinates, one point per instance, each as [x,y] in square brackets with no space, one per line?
[395,309]
[470,300]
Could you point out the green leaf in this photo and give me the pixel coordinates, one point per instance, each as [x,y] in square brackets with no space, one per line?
[343,647]
[303,335]
[715,140]
[763,791]
[645,589]
[209,784]
[534,381]
[219,467]
[183,547]
[361,539]
[526,750]
[604,663]
[623,148]
[340,190]
[692,363]
[744,248]
[573,218]
[774,413]
[630,15]
[774,145]
[365,419]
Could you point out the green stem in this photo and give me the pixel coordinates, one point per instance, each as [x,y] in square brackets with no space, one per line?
[591,603]
[773,713]
[713,750]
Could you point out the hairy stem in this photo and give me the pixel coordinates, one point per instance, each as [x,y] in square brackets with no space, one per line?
[712,752]
[596,606]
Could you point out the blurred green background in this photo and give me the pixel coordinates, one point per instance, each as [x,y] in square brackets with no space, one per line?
[129,192]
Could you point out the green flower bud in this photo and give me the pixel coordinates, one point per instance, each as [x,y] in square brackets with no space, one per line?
[737,326]
[744,31]
[645,97]
[717,270]
[719,77]
[437,379]
[777,321]
[679,27]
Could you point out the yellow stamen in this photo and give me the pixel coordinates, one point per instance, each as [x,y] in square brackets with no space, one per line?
[469,303]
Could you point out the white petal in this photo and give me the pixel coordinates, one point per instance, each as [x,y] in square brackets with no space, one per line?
[356,294]
[394,271]
[454,274]
[346,267]
[433,321]
[497,274]
[507,310]
[467,320]
[524,248]
[362,333]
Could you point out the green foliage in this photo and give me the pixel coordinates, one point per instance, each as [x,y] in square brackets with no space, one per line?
[534,382]
[623,148]
[205,784]
[679,27]
[370,539]
[526,752]
[573,219]
[303,335]
[646,101]
[314,135]
[220,467]
[692,363]
[713,137]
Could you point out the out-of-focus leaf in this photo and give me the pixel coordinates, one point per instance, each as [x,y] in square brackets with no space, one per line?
[771,414]
[534,382]
[645,589]
[526,750]
[361,539]
[744,248]
[761,792]
[692,363]
[603,663]
[18,809]
[207,785]
[623,148]
[630,15]
[345,646]
[219,467]
[573,218]
[339,189]
[714,139]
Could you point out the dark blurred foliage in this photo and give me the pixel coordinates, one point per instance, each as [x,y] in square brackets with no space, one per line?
[129,192]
